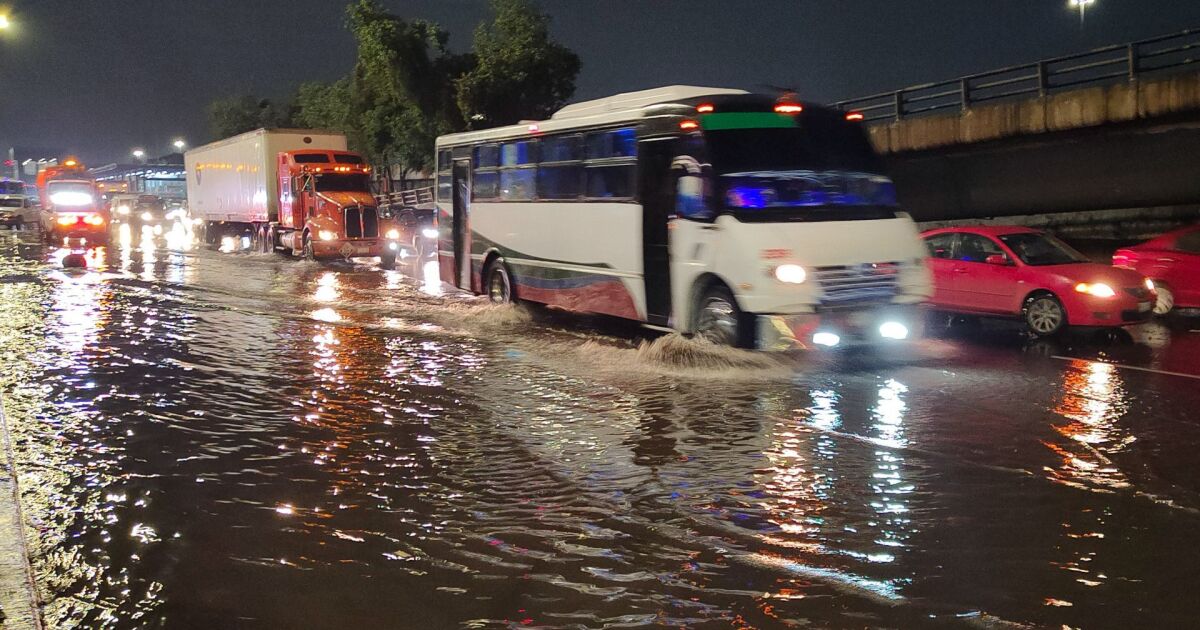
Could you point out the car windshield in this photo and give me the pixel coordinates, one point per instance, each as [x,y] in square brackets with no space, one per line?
[333,182]
[1039,249]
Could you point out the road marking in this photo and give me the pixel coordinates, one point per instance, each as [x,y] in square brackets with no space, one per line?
[1131,367]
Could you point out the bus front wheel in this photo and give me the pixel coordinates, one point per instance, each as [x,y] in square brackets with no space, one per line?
[499,284]
[720,321]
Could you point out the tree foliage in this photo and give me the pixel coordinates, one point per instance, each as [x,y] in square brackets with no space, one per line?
[521,72]
[239,114]
[407,87]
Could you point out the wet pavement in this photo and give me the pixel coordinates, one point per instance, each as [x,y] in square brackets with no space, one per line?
[231,440]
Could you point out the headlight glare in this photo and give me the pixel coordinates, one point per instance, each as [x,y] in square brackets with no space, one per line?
[326,235]
[1098,289]
[791,274]
[393,234]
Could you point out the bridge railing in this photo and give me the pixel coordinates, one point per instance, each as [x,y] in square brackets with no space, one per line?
[407,198]
[1165,54]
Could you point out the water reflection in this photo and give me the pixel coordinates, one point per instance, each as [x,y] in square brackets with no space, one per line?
[1093,401]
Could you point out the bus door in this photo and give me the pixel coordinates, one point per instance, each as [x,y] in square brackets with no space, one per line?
[461,182]
[693,231]
[657,195]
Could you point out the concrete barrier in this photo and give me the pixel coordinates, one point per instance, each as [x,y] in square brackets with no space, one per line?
[18,593]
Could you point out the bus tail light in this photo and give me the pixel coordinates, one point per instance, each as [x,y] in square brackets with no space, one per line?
[789,108]
[705,108]
[689,125]
[855,116]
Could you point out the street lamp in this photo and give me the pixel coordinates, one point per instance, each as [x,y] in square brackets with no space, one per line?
[180,145]
[1082,5]
[139,154]
[5,22]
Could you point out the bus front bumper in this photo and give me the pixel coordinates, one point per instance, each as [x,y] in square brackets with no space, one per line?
[877,325]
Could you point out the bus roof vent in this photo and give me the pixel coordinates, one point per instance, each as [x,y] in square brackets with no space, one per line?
[639,99]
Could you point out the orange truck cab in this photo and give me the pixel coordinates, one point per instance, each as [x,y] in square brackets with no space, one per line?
[71,204]
[327,210]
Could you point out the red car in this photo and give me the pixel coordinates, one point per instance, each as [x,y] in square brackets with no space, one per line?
[1019,272]
[1172,261]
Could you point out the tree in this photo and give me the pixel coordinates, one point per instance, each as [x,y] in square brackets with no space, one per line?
[325,106]
[401,90]
[239,114]
[520,72]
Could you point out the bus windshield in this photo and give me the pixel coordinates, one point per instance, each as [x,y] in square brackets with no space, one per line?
[816,169]
[350,182]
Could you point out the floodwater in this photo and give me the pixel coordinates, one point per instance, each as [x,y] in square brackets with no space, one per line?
[232,440]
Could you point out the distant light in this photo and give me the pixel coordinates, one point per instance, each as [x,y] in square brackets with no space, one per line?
[706,108]
[789,108]
[893,330]
[826,339]
[1082,6]
[855,116]
[70,162]
[139,154]
[5,22]
[429,232]
[180,144]
[689,125]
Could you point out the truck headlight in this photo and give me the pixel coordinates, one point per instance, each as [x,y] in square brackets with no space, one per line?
[393,234]
[122,209]
[146,216]
[326,235]
[791,274]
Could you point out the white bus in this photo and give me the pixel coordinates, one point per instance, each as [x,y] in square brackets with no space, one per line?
[746,219]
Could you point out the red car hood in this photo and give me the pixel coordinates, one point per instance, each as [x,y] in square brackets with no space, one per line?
[1116,277]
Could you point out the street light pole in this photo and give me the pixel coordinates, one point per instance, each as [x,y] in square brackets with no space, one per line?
[1082,5]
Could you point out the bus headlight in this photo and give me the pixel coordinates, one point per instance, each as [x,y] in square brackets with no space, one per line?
[893,330]
[791,274]
[429,233]
[393,234]
[122,209]
[827,339]
[326,235]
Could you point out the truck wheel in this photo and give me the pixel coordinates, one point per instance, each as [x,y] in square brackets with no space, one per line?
[1045,315]
[307,251]
[498,283]
[720,321]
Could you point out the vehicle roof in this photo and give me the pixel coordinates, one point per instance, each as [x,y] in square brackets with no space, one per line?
[985,230]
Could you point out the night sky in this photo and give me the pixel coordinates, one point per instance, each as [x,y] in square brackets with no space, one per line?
[99,77]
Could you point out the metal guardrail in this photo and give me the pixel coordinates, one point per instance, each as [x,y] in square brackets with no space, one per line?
[1165,54]
[407,198]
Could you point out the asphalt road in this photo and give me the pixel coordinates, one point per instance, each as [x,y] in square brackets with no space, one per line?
[209,439]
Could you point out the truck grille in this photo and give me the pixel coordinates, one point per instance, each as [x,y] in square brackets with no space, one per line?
[868,282]
[362,222]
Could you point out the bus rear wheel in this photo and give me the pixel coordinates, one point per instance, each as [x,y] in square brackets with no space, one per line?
[720,321]
[498,283]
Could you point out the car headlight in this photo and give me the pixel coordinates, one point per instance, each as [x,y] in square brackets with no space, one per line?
[146,216]
[429,233]
[393,234]
[122,209]
[1098,289]
[326,235]
[1150,285]
[791,274]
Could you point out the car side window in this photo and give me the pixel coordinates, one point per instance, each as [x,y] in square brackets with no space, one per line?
[1189,242]
[941,245]
[976,248]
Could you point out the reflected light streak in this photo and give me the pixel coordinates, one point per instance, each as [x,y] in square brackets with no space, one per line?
[431,279]
[327,287]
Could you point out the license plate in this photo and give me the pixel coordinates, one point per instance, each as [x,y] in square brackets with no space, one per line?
[1144,306]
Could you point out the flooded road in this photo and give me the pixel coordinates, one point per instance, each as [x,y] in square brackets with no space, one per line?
[230,440]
